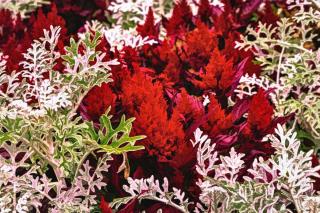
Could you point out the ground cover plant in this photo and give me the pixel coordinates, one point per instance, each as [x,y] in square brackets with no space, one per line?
[159,106]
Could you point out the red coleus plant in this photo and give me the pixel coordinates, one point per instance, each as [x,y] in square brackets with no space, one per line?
[149,28]
[70,15]
[162,87]
[217,75]
[18,41]
[104,97]
[260,113]
[144,100]
[181,19]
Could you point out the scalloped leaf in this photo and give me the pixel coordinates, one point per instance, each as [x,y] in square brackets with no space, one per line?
[115,140]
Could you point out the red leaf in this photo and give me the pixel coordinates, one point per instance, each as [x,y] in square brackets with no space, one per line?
[218,121]
[315,162]
[226,141]
[198,46]
[260,112]
[239,109]
[45,21]
[187,108]
[181,18]
[104,206]
[148,28]
[97,102]
[249,7]
[219,74]
[237,75]
[144,100]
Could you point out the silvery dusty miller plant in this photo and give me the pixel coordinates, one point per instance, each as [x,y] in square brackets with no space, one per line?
[128,13]
[44,145]
[22,7]
[273,185]
[287,51]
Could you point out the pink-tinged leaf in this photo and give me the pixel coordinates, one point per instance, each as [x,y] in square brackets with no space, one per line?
[164,208]
[279,120]
[201,120]
[188,104]
[239,109]
[171,93]
[249,8]
[239,71]
[226,141]
[129,207]
[254,154]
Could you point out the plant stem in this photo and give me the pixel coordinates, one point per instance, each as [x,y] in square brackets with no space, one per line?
[76,106]
[41,192]
[167,202]
[286,44]
[55,166]
[295,202]
[215,202]
[14,199]
[279,66]
[84,157]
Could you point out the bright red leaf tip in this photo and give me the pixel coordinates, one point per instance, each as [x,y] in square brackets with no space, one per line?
[260,112]
[181,18]
[148,28]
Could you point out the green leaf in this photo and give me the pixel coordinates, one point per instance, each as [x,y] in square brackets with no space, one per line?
[114,140]
[5,136]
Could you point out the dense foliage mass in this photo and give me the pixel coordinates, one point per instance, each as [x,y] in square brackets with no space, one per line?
[159,106]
